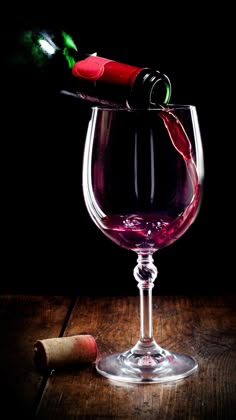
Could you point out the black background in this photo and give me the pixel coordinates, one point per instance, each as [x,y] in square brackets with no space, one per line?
[49,243]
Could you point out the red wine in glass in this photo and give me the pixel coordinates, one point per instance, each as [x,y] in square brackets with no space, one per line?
[142,183]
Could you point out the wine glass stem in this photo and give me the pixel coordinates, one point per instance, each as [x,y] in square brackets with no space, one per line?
[146,362]
[145,273]
[146,330]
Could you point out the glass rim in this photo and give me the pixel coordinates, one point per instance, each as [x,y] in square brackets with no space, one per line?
[169,107]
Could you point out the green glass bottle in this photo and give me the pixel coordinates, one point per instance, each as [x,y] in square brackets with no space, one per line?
[53,59]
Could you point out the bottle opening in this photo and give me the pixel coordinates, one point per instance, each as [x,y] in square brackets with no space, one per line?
[160,93]
[150,88]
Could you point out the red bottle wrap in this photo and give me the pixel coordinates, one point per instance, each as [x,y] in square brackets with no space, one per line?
[97,68]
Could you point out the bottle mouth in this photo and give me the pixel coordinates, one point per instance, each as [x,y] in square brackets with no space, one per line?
[151,88]
[160,91]
[156,87]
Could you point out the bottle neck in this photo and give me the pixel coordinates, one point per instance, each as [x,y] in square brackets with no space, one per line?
[129,85]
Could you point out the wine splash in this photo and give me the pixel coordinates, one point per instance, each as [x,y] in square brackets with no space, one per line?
[153,232]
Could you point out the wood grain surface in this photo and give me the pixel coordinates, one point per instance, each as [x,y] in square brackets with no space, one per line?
[23,320]
[201,326]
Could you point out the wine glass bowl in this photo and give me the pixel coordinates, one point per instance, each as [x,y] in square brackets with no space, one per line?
[142,184]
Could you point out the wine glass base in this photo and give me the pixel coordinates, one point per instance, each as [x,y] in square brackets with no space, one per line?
[137,368]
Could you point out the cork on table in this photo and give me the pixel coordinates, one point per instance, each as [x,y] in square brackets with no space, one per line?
[203,326]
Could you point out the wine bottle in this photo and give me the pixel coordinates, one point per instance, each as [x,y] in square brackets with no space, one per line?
[53,56]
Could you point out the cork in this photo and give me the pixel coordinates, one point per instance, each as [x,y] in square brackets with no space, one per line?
[53,353]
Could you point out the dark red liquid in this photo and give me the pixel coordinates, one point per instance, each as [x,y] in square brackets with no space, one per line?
[146,185]
[152,231]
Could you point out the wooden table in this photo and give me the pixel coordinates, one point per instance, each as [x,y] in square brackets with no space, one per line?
[202,326]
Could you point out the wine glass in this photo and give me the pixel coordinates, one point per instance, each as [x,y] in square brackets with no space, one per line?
[142,184]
